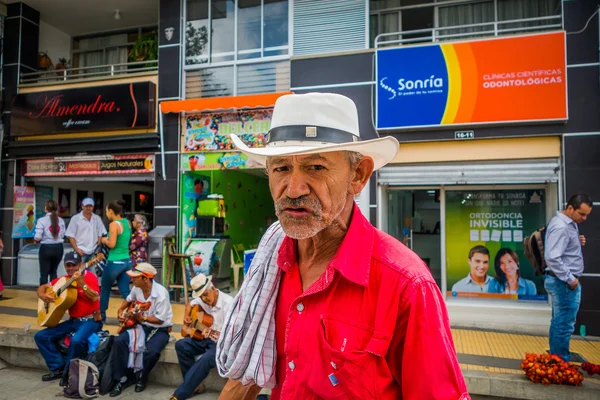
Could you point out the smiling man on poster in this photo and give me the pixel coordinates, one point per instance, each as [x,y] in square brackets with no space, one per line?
[478,280]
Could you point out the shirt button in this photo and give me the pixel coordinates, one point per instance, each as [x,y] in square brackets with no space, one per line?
[300,307]
[292,365]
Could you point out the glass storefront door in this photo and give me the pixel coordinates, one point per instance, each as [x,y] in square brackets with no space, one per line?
[414,219]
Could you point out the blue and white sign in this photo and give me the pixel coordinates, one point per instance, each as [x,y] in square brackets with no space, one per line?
[412,87]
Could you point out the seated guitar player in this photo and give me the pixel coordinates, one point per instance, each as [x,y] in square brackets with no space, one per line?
[82,323]
[215,303]
[151,330]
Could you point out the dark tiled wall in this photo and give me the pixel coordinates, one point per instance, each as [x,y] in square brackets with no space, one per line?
[21,40]
[169,88]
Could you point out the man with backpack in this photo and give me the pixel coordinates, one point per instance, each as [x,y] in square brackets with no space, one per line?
[564,260]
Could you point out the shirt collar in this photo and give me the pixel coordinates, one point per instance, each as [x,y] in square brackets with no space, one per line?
[564,217]
[353,257]
[154,292]
[487,279]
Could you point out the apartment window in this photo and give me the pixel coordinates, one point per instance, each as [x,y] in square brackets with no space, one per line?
[242,79]
[414,21]
[108,49]
[226,31]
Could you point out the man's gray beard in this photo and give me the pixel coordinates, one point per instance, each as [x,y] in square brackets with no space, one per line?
[305,229]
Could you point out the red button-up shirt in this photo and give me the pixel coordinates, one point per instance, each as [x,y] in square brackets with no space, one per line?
[83,306]
[373,326]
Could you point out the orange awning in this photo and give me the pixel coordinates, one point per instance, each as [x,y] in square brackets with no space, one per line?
[221,103]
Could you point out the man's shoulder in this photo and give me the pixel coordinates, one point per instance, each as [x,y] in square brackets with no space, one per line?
[463,281]
[161,291]
[398,261]
[90,277]
[75,217]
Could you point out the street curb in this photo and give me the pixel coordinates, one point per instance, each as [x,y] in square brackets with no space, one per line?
[519,387]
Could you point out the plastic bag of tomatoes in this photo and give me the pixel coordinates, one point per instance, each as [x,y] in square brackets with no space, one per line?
[547,369]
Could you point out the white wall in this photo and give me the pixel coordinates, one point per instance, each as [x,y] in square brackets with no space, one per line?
[55,42]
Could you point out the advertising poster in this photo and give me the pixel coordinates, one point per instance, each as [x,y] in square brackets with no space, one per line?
[484,243]
[216,161]
[210,131]
[42,195]
[203,254]
[462,83]
[64,203]
[24,212]
[194,188]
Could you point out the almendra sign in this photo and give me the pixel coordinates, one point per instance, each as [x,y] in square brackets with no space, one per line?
[113,107]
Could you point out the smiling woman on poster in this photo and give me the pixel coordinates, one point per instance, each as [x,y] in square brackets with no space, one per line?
[508,278]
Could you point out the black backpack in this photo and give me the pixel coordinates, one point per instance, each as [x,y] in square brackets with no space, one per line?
[84,380]
[101,358]
[534,250]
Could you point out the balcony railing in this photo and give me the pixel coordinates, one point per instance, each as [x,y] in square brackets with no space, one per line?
[496,28]
[96,71]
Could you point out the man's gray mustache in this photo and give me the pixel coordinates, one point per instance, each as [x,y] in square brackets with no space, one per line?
[312,205]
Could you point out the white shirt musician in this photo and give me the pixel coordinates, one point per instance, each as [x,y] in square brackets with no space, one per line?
[216,304]
[155,320]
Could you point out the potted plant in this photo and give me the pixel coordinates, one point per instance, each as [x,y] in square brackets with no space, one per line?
[63,63]
[145,48]
[44,62]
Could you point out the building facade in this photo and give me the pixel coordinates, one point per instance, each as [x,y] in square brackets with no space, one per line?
[464,177]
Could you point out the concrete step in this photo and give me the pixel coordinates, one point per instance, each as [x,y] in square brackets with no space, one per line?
[18,348]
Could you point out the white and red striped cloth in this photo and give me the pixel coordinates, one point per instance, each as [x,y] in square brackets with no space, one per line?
[246,348]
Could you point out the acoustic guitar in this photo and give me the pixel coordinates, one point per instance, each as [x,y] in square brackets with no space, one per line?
[65,295]
[200,321]
[133,310]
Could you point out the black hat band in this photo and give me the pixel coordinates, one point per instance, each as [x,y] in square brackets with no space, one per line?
[305,133]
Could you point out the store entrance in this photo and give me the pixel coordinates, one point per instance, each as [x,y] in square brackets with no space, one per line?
[137,192]
[414,219]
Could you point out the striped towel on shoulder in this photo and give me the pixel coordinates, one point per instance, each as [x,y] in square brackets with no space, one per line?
[246,348]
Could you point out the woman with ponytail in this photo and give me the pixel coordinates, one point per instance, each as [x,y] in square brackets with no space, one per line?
[119,233]
[50,233]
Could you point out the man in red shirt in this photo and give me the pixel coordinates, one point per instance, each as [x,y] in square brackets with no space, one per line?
[81,322]
[356,314]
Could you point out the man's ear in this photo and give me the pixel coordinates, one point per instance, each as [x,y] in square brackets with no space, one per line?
[362,174]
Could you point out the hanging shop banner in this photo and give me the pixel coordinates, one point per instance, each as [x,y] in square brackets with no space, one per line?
[484,243]
[100,108]
[130,164]
[24,212]
[210,132]
[488,81]
[216,161]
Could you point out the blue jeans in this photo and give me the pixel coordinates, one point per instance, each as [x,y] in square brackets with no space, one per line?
[194,372]
[46,341]
[114,271]
[565,304]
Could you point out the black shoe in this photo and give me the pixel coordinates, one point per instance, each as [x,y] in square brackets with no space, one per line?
[64,380]
[52,376]
[117,390]
[140,386]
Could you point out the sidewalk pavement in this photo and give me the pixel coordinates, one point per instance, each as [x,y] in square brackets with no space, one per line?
[23,383]
[490,360]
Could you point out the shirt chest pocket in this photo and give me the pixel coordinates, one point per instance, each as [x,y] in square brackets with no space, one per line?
[349,361]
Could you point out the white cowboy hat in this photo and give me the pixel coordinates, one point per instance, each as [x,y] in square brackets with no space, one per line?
[316,123]
[199,283]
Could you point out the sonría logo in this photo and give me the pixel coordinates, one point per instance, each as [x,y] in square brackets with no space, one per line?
[410,87]
[432,82]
